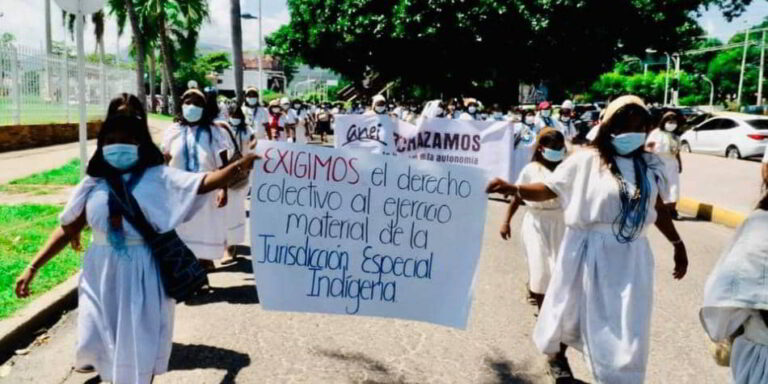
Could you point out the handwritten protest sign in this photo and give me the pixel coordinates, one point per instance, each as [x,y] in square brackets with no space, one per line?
[485,144]
[346,232]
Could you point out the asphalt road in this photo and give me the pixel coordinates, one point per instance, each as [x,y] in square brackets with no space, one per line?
[227,337]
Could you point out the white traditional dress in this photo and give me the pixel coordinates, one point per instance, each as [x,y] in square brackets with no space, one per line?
[125,319]
[197,150]
[735,292]
[667,146]
[256,118]
[236,196]
[599,299]
[542,230]
[524,142]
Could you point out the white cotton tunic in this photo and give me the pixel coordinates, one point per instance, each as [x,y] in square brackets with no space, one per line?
[255,118]
[542,231]
[125,319]
[525,137]
[667,146]
[735,292]
[206,233]
[236,196]
[599,299]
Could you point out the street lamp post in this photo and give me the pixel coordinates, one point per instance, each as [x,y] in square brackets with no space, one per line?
[666,80]
[743,64]
[711,88]
[676,91]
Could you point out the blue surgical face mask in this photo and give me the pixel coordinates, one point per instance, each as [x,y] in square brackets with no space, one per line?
[192,113]
[235,122]
[553,155]
[252,100]
[121,156]
[627,143]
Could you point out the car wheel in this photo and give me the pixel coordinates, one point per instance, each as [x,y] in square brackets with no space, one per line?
[732,153]
[685,147]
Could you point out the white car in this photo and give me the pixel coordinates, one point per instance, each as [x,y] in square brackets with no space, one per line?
[735,136]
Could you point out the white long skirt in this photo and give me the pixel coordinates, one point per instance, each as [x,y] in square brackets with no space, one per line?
[599,302]
[672,171]
[749,354]
[236,215]
[125,320]
[542,232]
[206,233]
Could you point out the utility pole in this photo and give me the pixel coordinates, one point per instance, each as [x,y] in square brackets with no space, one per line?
[676,90]
[666,81]
[261,52]
[743,65]
[762,68]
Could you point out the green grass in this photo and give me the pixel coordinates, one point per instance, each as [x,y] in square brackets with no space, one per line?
[23,230]
[160,117]
[68,174]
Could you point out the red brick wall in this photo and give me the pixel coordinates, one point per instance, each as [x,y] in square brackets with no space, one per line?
[15,137]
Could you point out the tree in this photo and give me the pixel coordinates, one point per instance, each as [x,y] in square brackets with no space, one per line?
[485,47]
[278,45]
[237,47]
[140,45]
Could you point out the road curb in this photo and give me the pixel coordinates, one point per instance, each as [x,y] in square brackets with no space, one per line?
[20,329]
[709,212]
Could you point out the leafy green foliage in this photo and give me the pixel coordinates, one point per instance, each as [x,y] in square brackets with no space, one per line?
[23,230]
[484,47]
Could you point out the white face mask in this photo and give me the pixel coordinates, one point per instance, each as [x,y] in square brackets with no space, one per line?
[235,122]
[380,109]
[296,106]
[546,113]
[669,127]
[472,109]
[192,113]
[529,120]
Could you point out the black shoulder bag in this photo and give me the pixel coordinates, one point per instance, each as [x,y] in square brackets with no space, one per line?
[180,271]
[242,180]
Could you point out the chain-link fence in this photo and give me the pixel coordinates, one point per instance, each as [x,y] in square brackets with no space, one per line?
[38,88]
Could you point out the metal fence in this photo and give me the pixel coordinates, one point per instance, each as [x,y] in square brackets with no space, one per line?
[38,88]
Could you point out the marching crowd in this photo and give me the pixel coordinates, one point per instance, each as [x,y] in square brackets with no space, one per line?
[587,211]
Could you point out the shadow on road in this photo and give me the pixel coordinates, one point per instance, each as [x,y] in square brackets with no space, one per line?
[195,356]
[380,372]
[242,294]
[507,372]
[241,265]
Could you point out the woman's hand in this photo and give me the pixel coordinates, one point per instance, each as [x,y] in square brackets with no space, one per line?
[681,261]
[22,283]
[498,185]
[505,231]
[75,243]
[248,159]
[221,198]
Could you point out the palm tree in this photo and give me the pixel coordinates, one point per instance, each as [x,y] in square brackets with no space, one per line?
[182,20]
[237,47]
[69,20]
[140,45]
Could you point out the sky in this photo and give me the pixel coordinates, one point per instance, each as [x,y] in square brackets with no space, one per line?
[24,18]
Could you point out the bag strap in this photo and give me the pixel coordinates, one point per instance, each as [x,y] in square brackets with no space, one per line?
[128,205]
[234,141]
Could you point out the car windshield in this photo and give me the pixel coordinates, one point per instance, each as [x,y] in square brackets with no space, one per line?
[758,124]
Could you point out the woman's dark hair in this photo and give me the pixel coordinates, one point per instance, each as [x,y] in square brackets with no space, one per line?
[127,104]
[211,110]
[149,154]
[671,116]
[205,121]
[763,204]
[548,137]
[629,223]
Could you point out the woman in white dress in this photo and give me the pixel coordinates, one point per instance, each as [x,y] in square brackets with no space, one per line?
[735,308]
[245,142]
[255,114]
[665,142]
[195,144]
[543,226]
[125,319]
[524,141]
[600,296]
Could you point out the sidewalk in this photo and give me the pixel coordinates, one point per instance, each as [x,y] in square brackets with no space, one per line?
[18,164]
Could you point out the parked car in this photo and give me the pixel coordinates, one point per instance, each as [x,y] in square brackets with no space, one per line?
[735,136]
